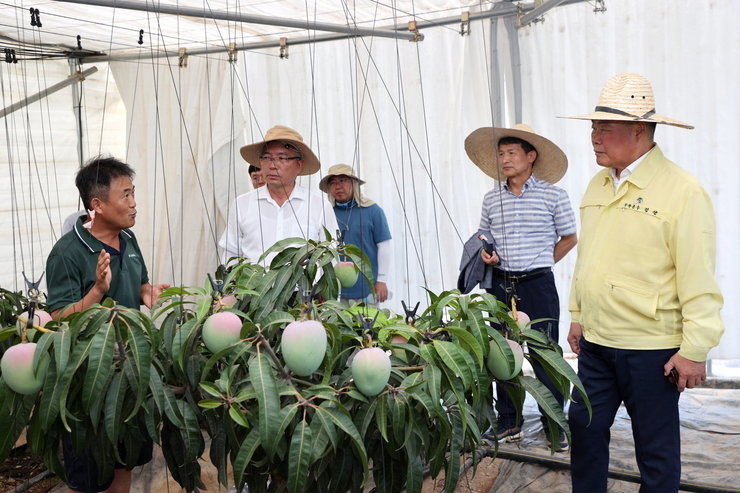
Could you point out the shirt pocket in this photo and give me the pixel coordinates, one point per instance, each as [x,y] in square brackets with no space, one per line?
[631,299]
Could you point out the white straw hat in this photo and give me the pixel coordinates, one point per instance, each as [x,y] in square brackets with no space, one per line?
[482,149]
[628,97]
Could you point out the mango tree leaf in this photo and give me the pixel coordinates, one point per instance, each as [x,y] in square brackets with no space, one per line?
[545,400]
[557,362]
[414,468]
[467,341]
[286,416]
[280,284]
[50,398]
[535,335]
[62,342]
[431,406]
[141,353]
[79,355]
[428,354]
[246,450]
[328,427]
[276,318]
[114,401]
[399,424]
[238,417]
[381,416]
[452,356]
[434,382]
[345,423]
[320,440]
[268,401]
[191,434]
[210,403]
[210,388]
[299,459]
[99,364]
[452,473]
[280,246]
[478,328]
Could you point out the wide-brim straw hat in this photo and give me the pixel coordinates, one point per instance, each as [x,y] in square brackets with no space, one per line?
[338,170]
[628,97]
[482,149]
[346,170]
[251,153]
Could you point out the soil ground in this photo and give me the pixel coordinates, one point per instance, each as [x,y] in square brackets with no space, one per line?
[19,468]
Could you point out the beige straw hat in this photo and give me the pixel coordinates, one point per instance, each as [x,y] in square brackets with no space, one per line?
[482,149]
[338,170]
[628,97]
[346,170]
[251,153]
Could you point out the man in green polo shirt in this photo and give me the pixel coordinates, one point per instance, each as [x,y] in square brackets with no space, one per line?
[100,258]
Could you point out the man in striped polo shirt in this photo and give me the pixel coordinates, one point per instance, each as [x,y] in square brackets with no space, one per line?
[531,225]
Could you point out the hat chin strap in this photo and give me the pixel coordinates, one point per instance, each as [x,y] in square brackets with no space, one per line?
[606,109]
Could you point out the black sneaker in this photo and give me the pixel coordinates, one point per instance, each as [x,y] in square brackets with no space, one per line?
[561,446]
[513,434]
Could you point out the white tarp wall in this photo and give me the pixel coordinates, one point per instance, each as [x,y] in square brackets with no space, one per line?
[185,128]
[39,158]
[404,128]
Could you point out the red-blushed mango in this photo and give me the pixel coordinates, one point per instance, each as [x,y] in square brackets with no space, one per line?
[346,273]
[16,368]
[40,318]
[371,370]
[229,301]
[221,330]
[522,319]
[303,345]
[499,365]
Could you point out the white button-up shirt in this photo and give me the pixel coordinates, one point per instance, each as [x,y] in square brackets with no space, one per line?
[256,222]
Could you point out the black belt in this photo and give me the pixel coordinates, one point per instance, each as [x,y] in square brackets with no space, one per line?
[520,276]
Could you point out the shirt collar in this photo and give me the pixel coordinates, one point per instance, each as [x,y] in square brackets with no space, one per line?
[298,193]
[346,205]
[93,244]
[531,182]
[626,172]
[641,171]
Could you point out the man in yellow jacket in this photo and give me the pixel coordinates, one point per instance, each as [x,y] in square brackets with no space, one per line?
[644,301]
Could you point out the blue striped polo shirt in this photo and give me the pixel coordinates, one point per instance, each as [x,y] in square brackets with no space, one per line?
[524,228]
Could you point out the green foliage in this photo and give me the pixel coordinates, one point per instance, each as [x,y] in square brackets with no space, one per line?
[115,374]
[12,304]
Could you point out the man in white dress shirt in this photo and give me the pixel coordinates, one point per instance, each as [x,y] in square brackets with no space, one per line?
[281,209]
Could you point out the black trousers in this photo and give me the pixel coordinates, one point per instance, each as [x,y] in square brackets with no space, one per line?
[612,376]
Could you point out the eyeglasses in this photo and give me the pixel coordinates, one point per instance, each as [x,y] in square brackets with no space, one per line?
[278,159]
[341,180]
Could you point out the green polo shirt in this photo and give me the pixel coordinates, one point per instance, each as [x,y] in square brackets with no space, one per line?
[70,268]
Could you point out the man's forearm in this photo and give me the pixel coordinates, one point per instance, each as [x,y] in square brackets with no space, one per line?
[91,297]
[563,246]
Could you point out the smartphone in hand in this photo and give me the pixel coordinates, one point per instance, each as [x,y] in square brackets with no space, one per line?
[488,247]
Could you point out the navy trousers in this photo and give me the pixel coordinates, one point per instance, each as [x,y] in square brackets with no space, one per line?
[538,298]
[612,376]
